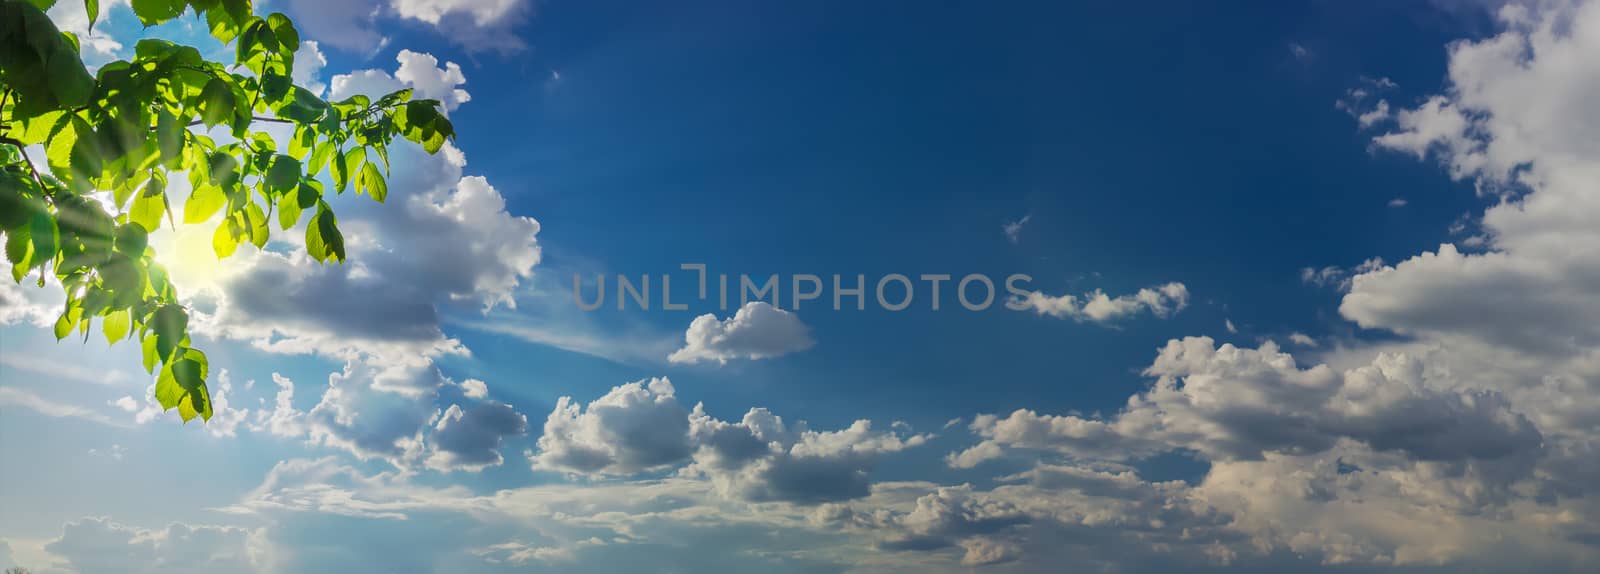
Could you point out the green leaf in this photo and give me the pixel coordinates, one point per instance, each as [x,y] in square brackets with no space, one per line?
[85,161]
[256,225]
[217,103]
[42,229]
[319,157]
[19,250]
[149,205]
[152,12]
[224,24]
[225,240]
[169,138]
[203,203]
[323,240]
[116,326]
[148,348]
[132,239]
[284,29]
[223,169]
[341,172]
[373,181]
[275,86]
[284,174]
[92,8]
[68,321]
[289,211]
[171,324]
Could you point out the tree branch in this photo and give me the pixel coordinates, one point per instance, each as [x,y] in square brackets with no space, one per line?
[22,149]
[252,118]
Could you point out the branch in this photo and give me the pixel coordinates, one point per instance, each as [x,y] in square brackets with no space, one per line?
[22,149]
[252,118]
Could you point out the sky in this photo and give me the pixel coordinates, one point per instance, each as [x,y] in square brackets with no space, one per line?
[1310,286]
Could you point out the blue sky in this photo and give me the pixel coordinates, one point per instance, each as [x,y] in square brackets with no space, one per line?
[1315,290]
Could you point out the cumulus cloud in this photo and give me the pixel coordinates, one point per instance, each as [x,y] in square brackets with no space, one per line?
[1230,403]
[756,331]
[470,439]
[308,64]
[760,458]
[284,419]
[1098,307]
[419,71]
[641,426]
[1517,119]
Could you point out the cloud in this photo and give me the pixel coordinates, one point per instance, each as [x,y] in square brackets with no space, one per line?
[1229,403]
[419,71]
[96,47]
[1300,52]
[474,388]
[284,420]
[308,64]
[1013,229]
[469,439]
[345,24]
[762,459]
[355,25]
[641,427]
[757,331]
[15,397]
[1515,119]
[1338,277]
[100,545]
[1302,339]
[477,25]
[38,307]
[633,428]
[1162,301]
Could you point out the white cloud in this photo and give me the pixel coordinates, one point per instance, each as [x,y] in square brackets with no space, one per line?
[36,306]
[1162,301]
[757,331]
[97,47]
[284,420]
[483,12]
[762,459]
[477,25]
[636,427]
[641,427]
[419,71]
[1013,229]
[1302,339]
[1229,403]
[308,64]
[1338,277]
[474,388]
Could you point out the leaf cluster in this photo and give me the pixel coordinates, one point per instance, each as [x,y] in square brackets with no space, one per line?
[114,139]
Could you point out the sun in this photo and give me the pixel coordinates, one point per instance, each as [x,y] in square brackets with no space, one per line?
[188,256]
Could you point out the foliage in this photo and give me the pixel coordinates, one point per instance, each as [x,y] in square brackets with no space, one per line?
[114,139]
